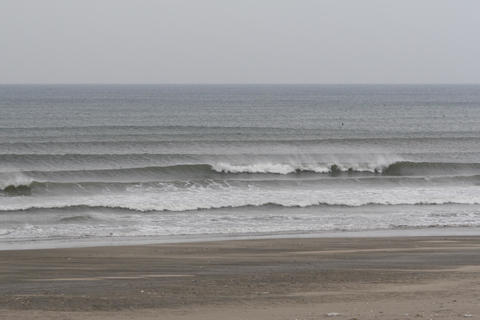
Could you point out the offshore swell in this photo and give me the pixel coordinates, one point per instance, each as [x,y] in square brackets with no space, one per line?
[206,160]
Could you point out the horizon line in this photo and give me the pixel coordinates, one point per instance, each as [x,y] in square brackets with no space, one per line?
[236,83]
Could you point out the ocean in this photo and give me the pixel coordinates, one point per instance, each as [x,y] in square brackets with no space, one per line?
[107,163]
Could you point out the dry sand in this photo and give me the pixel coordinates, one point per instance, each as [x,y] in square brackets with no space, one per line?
[381,278]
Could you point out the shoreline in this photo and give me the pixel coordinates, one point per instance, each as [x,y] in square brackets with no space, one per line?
[290,278]
[87,242]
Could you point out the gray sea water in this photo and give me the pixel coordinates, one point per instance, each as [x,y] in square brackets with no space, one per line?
[117,161]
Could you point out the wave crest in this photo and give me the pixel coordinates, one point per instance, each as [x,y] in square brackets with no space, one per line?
[15,183]
[266,204]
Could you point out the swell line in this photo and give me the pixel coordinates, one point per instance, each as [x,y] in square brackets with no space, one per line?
[34,209]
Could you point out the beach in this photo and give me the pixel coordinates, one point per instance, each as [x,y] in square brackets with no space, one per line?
[311,278]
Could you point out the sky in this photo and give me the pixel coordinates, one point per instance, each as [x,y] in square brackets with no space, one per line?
[239,41]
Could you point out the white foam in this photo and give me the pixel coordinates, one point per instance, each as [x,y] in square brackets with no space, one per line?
[305,162]
[46,225]
[278,168]
[14,179]
[172,198]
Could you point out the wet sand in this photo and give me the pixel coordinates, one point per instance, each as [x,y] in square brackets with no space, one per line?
[349,278]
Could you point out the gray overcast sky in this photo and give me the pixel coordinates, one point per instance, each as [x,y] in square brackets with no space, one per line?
[239,41]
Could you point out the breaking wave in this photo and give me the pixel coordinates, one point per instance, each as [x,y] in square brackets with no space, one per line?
[169,197]
[245,206]
[395,168]
[15,182]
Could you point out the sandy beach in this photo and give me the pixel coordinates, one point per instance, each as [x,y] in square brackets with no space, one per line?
[363,278]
